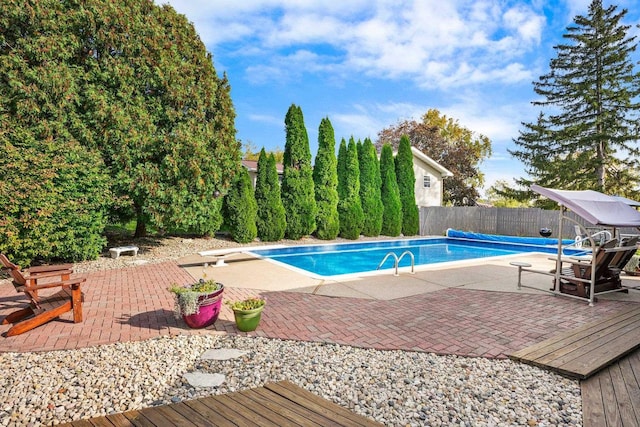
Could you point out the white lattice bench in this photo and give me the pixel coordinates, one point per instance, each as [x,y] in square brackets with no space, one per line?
[221,254]
[115,252]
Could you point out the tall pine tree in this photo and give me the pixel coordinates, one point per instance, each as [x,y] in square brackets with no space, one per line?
[370,186]
[587,140]
[270,221]
[392,213]
[297,181]
[325,179]
[349,206]
[407,186]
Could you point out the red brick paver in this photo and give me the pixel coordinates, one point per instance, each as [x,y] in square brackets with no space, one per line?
[134,304]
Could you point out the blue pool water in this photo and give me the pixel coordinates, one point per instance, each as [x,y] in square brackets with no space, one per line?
[350,258]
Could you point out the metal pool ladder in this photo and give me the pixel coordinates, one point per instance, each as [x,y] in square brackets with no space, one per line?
[397,260]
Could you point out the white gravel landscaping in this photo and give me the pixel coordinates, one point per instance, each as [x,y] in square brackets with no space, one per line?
[396,388]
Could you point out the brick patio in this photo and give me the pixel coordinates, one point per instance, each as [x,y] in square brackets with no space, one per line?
[134,304]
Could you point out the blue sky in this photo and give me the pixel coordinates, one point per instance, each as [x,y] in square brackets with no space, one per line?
[368,64]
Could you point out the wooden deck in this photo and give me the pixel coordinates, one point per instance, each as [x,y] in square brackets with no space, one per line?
[612,396]
[582,352]
[276,404]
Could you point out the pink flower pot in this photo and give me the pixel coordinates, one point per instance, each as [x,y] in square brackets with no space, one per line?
[209,311]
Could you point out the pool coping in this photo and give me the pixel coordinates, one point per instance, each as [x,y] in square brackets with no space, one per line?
[496,274]
[418,267]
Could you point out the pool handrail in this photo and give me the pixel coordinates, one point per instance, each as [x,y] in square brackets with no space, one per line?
[397,260]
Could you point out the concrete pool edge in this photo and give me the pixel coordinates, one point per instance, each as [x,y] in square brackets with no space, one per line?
[247,272]
[345,260]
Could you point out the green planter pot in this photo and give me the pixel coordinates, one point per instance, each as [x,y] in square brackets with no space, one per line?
[247,320]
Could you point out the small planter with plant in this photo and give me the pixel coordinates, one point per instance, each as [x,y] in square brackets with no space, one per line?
[247,313]
[199,303]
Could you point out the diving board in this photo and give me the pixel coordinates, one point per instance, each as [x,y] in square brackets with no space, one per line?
[221,254]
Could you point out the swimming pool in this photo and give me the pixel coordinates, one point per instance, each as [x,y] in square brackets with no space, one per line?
[351,258]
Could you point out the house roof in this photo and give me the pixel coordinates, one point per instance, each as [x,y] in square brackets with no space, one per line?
[428,160]
[252,165]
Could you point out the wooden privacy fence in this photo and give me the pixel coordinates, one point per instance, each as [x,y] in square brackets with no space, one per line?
[434,221]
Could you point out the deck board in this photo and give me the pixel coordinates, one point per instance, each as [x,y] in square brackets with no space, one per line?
[612,396]
[218,419]
[313,403]
[582,352]
[275,404]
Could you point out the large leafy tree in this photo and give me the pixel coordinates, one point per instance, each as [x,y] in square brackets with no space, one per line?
[587,139]
[452,145]
[392,213]
[370,186]
[325,179]
[163,119]
[407,187]
[297,180]
[53,190]
[270,221]
[135,83]
[349,205]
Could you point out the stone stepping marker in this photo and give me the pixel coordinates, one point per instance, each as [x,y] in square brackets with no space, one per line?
[203,379]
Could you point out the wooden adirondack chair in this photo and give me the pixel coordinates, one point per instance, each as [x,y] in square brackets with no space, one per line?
[43,308]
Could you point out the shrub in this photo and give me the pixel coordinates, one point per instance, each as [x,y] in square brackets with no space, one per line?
[297,181]
[406,185]
[325,179]
[349,206]
[392,213]
[240,209]
[52,201]
[370,186]
[270,220]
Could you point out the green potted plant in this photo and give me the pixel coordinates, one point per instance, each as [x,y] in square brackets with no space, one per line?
[247,313]
[199,303]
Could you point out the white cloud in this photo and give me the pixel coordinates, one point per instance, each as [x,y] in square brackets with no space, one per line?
[359,126]
[264,118]
[526,23]
[446,43]
[288,67]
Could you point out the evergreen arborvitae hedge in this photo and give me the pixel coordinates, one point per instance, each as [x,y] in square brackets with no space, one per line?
[52,197]
[406,185]
[370,186]
[270,222]
[392,213]
[298,195]
[325,179]
[240,209]
[349,205]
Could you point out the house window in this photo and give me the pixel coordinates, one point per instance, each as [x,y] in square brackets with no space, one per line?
[426,183]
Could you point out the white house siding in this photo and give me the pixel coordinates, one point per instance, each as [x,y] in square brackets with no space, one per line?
[427,196]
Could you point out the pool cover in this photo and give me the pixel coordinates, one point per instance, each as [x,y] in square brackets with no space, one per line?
[538,241]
